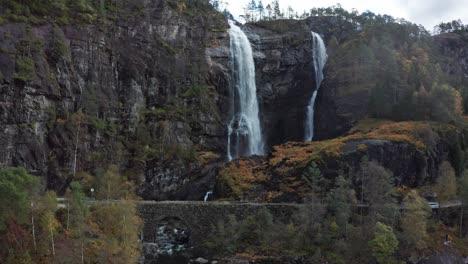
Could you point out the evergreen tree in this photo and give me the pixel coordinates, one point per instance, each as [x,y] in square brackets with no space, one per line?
[340,201]
[269,10]
[260,9]
[215,4]
[252,9]
[276,10]
[315,180]
[291,12]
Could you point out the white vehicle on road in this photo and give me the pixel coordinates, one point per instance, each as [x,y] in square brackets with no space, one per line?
[434,205]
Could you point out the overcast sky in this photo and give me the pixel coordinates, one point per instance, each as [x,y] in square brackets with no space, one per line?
[426,12]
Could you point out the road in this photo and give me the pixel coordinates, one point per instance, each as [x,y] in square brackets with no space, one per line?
[63,202]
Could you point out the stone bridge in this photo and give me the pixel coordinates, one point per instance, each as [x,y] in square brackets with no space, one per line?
[173,228]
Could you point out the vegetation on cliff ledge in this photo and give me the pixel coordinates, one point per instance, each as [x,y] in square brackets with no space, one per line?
[288,161]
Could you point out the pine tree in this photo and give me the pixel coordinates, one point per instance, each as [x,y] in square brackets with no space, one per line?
[260,9]
[269,10]
[215,4]
[314,178]
[276,10]
[291,12]
[340,201]
[252,9]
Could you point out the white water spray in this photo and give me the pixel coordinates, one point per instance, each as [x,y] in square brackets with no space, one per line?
[320,58]
[207,195]
[244,132]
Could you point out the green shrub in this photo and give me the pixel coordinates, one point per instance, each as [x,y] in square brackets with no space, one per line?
[24,69]
[195,91]
[58,48]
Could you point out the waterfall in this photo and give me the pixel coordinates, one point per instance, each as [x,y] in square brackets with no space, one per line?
[207,195]
[244,132]
[320,56]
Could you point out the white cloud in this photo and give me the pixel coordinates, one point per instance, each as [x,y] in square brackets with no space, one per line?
[426,12]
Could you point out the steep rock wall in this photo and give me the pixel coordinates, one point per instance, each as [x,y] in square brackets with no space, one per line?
[285,80]
[146,91]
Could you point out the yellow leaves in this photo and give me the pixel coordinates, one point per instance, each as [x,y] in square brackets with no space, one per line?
[182,6]
[362,147]
[116,227]
[49,223]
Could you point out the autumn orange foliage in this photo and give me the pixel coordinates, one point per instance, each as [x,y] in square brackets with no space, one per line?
[287,161]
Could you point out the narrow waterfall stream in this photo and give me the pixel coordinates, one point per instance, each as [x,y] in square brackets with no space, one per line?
[320,57]
[207,196]
[244,132]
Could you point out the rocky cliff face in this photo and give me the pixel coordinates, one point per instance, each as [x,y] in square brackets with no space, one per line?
[285,79]
[285,76]
[146,91]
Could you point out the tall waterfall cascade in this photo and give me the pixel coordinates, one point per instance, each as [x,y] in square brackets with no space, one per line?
[320,57]
[244,131]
